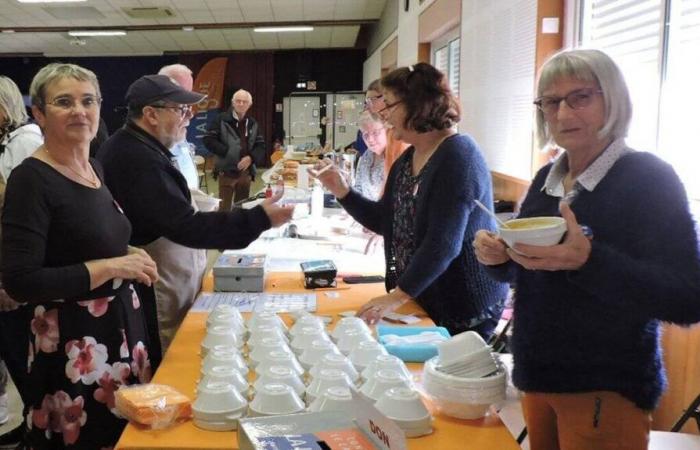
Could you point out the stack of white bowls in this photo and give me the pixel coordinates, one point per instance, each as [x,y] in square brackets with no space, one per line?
[465,379]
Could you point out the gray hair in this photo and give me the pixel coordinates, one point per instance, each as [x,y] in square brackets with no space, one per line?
[171,69]
[54,72]
[368,118]
[594,66]
[12,103]
[243,91]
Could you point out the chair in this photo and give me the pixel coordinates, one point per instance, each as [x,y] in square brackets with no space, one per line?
[200,162]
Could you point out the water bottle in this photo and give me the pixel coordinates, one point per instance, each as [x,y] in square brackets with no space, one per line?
[317,200]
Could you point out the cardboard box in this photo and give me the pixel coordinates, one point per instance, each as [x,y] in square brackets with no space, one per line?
[335,430]
[235,272]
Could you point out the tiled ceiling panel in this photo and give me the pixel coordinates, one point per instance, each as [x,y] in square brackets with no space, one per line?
[46,25]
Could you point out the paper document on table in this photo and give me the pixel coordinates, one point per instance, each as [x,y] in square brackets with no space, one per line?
[402,318]
[277,302]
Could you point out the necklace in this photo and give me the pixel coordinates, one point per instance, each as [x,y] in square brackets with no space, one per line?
[92,182]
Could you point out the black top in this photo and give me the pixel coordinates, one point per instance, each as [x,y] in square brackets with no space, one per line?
[82,344]
[140,172]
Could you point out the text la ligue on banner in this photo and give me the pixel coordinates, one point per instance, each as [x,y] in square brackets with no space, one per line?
[209,81]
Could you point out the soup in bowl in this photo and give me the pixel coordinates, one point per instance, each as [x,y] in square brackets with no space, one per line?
[542,231]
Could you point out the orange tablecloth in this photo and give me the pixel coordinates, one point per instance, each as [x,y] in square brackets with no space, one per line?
[180,369]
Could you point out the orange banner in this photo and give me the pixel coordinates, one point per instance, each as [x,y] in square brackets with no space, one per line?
[209,81]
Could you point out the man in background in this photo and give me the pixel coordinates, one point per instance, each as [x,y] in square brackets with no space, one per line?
[236,141]
[182,151]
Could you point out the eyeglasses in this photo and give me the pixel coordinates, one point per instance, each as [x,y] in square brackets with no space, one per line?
[374,133]
[373,99]
[67,103]
[388,106]
[578,99]
[183,109]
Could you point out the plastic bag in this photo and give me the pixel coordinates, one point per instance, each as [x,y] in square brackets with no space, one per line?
[155,405]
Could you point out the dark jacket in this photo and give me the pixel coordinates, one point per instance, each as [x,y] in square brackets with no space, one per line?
[443,274]
[597,328]
[223,140]
[140,173]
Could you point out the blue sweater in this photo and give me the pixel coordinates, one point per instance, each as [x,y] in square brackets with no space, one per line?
[597,328]
[443,275]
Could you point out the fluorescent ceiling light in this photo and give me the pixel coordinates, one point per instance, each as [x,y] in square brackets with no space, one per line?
[97,33]
[282,29]
[188,28]
[51,1]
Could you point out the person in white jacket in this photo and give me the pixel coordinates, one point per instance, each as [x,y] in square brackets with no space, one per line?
[18,140]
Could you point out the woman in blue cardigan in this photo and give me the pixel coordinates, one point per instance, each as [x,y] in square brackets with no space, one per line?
[587,311]
[426,214]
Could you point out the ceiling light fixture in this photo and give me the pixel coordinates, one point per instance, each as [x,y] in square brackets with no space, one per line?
[8,31]
[78,33]
[188,28]
[51,1]
[282,29]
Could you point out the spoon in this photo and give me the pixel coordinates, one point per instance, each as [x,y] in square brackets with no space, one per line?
[490,213]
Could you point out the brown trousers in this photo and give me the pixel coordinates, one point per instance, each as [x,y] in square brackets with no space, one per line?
[228,185]
[599,420]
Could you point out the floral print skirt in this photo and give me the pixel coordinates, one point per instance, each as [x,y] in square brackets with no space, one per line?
[80,353]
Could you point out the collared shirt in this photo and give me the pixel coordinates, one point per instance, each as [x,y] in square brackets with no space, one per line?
[185,163]
[589,179]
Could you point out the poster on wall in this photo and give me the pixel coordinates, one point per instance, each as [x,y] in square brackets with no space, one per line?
[209,81]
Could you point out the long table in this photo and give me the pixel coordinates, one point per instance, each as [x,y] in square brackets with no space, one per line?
[180,369]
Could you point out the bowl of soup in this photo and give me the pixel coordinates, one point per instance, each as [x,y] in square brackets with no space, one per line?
[542,231]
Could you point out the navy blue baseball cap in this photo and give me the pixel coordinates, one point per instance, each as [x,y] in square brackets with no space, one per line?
[152,88]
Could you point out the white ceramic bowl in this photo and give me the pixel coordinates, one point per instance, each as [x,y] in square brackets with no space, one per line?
[225,374]
[315,352]
[325,379]
[405,407]
[275,399]
[279,358]
[348,323]
[266,318]
[218,407]
[264,347]
[219,335]
[306,321]
[260,332]
[305,337]
[382,381]
[366,352]
[541,231]
[226,359]
[231,320]
[386,362]
[281,374]
[335,361]
[335,398]
[225,309]
[352,338]
[460,345]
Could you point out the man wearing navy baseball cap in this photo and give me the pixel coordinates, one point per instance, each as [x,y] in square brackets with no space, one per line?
[140,172]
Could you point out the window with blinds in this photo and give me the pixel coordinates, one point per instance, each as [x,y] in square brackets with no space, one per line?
[630,31]
[445,57]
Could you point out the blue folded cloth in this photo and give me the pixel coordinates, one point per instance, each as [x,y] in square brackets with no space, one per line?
[415,352]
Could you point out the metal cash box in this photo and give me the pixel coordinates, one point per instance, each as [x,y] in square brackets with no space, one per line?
[239,272]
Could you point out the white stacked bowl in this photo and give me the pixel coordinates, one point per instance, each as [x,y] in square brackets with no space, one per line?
[233,321]
[266,318]
[364,353]
[281,374]
[260,332]
[335,361]
[382,381]
[225,374]
[386,362]
[352,338]
[348,323]
[325,379]
[275,399]
[218,407]
[306,321]
[305,337]
[336,398]
[219,335]
[279,358]
[405,407]
[225,359]
[264,347]
[464,398]
[316,351]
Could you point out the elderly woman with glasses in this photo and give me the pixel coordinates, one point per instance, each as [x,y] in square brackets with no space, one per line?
[369,177]
[587,311]
[427,214]
[65,252]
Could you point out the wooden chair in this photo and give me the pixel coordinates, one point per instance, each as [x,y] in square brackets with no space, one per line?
[200,162]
